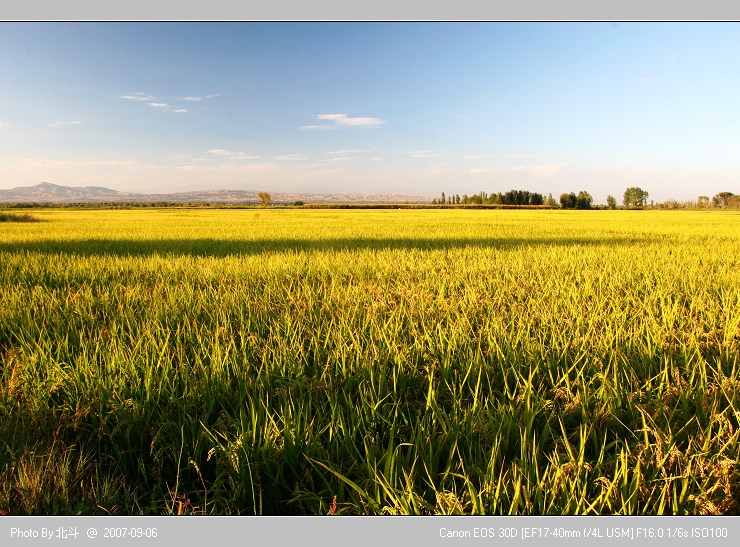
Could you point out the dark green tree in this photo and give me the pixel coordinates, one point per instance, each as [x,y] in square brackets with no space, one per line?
[635,197]
[568,201]
[611,202]
[584,200]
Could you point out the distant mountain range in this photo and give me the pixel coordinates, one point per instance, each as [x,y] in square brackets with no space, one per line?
[54,193]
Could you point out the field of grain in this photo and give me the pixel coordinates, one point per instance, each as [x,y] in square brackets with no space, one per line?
[278,361]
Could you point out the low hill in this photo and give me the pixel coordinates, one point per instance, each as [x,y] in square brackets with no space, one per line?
[54,193]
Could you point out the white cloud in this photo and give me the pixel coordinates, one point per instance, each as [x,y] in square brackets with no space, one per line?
[339,158]
[344,120]
[243,156]
[137,96]
[154,102]
[231,155]
[345,152]
[196,99]
[64,124]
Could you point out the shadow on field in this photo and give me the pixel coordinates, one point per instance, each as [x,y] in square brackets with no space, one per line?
[221,247]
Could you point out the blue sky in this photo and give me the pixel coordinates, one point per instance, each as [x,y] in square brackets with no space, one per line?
[413,108]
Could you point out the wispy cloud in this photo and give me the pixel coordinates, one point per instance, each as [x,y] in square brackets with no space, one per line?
[342,120]
[345,152]
[231,155]
[137,96]
[196,99]
[64,124]
[158,103]
[424,154]
[339,158]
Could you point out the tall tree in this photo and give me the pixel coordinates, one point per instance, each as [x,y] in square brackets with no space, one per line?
[568,201]
[584,200]
[264,198]
[635,196]
[722,199]
[611,202]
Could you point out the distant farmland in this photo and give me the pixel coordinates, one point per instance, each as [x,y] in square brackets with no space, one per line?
[319,361]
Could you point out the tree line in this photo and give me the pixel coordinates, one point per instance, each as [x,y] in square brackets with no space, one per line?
[512,197]
[634,197]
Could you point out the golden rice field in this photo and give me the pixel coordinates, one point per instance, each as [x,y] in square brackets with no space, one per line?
[287,361]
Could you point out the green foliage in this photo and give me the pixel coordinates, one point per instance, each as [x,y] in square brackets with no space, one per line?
[568,201]
[634,197]
[17,217]
[611,202]
[314,361]
[512,197]
[584,200]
